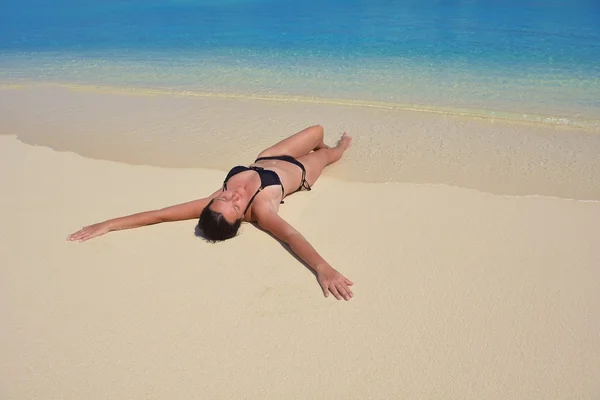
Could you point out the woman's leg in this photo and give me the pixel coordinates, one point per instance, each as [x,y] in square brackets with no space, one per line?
[317,161]
[298,144]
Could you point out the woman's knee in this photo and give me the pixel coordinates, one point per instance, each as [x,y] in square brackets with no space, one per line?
[320,132]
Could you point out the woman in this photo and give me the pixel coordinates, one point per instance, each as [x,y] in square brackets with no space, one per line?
[253,194]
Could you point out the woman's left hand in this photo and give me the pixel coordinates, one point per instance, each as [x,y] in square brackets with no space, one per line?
[333,282]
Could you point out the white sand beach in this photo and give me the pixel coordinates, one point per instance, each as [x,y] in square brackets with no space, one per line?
[470,282]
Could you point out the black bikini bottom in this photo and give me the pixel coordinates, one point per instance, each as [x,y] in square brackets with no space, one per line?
[290,159]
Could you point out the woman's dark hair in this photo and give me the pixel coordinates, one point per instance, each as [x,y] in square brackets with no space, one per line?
[215,227]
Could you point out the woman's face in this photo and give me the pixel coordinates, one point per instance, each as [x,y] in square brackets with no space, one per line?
[230,203]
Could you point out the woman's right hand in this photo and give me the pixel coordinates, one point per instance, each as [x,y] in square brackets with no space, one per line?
[89,232]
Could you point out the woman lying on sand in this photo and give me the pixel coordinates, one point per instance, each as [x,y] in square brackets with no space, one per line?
[253,194]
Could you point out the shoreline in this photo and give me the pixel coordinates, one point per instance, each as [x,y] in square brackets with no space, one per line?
[391,145]
[585,124]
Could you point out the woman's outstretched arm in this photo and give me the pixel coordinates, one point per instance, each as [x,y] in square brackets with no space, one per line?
[180,212]
[331,281]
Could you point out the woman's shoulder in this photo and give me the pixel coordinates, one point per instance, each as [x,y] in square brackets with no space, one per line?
[267,203]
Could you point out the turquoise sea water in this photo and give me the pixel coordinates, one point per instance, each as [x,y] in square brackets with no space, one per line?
[528,59]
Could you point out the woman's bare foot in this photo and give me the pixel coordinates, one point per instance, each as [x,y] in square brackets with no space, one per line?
[344,142]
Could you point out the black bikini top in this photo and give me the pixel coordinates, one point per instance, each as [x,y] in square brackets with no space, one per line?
[267,178]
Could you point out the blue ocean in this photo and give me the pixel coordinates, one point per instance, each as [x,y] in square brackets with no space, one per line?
[528,59]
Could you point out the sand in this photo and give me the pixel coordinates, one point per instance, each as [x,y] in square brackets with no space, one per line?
[194,130]
[460,293]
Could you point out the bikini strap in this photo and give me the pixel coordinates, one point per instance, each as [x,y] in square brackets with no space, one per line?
[303,184]
[252,199]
